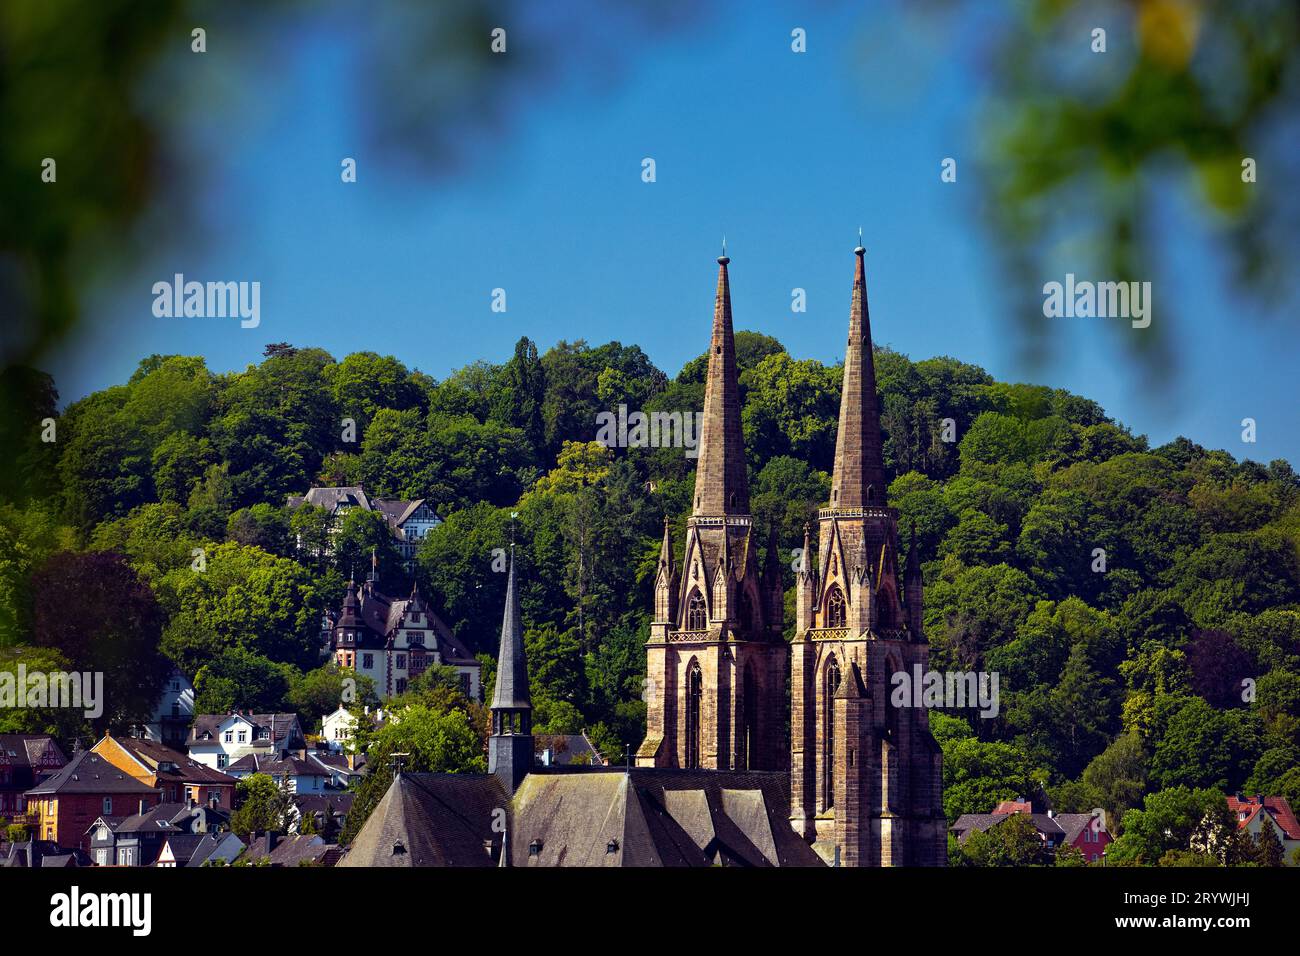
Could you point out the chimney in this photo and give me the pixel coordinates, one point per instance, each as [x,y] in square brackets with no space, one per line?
[144,805]
[272,840]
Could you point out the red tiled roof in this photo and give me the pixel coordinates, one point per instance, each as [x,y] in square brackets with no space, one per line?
[1277,807]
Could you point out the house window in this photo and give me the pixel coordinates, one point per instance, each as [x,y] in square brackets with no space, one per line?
[243,736]
[264,734]
[464,683]
[230,737]
[108,805]
[835,608]
[401,685]
[176,708]
[694,699]
[401,662]
[367,661]
[696,615]
[222,759]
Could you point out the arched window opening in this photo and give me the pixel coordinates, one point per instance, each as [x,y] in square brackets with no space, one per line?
[745,611]
[750,736]
[694,700]
[696,614]
[835,611]
[831,683]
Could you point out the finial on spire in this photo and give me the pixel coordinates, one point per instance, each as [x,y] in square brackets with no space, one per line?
[722,259]
[860,250]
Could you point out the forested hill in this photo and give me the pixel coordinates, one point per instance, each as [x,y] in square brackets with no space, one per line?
[1116,683]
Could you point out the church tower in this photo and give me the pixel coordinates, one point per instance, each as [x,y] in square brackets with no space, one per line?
[510,748]
[716,661]
[865,782]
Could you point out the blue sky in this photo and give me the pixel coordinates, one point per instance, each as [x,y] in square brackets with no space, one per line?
[787,154]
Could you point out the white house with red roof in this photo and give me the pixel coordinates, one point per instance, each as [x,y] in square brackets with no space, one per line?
[1256,812]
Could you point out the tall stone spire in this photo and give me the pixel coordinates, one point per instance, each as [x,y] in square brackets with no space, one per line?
[859,477]
[511,691]
[510,748]
[721,484]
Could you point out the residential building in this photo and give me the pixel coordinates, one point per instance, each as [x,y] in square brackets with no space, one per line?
[196,849]
[43,854]
[1087,832]
[298,774]
[178,776]
[170,722]
[25,761]
[409,521]
[393,641]
[278,849]
[65,805]
[137,840]
[1255,812]
[217,740]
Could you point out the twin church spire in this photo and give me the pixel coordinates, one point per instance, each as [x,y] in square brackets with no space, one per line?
[721,481]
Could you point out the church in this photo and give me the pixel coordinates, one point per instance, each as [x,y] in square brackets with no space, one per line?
[728,773]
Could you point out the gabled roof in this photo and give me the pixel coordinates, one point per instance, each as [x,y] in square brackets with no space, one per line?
[152,755]
[431,819]
[968,823]
[27,749]
[88,772]
[282,727]
[1074,824]
[655,817]
[208,845]
[1278,808]
[294,850]
[278,764]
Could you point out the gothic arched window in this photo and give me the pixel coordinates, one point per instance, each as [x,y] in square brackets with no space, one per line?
[831,683]
[750,711]
[694,699]
[835,615]
[745,611]
[696,614]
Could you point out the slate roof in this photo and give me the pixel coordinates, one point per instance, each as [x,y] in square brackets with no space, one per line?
[42,854]
[278,764]
[88,772]
[1074,824]
[511,689]
[208,844]
[395,511]
[294,850]
[20,750]
[381,615]
[284,728]
[184,845]
[1046,825]
[656,817]
[153,755]
[431,819]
